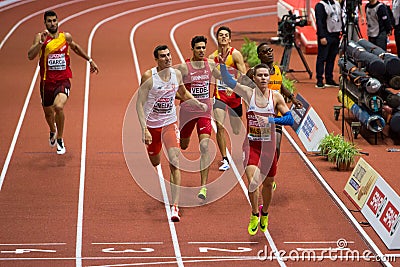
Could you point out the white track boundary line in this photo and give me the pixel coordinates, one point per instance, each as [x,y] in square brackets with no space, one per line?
[12,3]
[336,199]
[40,12]
[29,94]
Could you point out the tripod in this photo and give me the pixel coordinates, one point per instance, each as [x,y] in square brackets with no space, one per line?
[286,58]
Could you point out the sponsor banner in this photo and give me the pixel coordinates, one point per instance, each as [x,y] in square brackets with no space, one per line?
[308,125]
[360,183]
[382,212]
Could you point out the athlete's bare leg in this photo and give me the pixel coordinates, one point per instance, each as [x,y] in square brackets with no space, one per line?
[59,103]
[204,158]
[175,173]
[49,115]
[252,172]
[219,116]
[267,193]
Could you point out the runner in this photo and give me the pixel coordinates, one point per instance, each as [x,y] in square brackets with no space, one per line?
[156,111]
[52,46]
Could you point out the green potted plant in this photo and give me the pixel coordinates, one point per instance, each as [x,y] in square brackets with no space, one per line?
[343,155]
[328,142]
[249,52]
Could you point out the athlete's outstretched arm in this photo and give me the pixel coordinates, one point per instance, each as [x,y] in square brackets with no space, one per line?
[79,51]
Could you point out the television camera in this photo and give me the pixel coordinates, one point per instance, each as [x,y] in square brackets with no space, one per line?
[287,26]
[286,33]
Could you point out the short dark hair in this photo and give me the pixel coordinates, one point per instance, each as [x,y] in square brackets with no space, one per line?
[226,29]
[260,66]
[198,39]
[49,13]
[260,45]
[158,48]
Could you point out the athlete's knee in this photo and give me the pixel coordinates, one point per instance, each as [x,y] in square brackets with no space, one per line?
[173,157]
[58,108]
[204,146]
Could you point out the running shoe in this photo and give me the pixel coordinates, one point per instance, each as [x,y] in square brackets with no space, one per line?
[253,225]
[52,139]
[202,193]
[225,165]
[263,220]
[60,147]
[175,214]
[274,186]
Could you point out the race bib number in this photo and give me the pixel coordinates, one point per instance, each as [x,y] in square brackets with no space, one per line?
[200,92]
[56,62]
[259,131]
[163,105]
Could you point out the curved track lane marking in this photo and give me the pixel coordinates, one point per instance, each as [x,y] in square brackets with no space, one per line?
[15,4]
[40,12]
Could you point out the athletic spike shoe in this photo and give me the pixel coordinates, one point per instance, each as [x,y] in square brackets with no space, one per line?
[225,165]
[253,225]
[52,139]
[60,147]
[274,186]
[175,214]
[202,193]
[263,221]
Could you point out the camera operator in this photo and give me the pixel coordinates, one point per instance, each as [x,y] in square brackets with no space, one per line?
[329,25]
[379,26]
[352,12]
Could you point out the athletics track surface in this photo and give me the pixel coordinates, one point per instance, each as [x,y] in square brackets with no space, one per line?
[85,208]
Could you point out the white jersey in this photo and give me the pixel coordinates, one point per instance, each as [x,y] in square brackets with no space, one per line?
[160,108]
[257,129]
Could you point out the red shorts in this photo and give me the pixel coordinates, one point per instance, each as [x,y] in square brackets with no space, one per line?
[262,155]
[49,91]
[167,135]
[203,127]
[233,101]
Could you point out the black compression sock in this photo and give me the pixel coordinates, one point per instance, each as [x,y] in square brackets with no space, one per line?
[255,214]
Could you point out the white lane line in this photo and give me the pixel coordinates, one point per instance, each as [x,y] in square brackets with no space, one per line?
[35,244]
[337,200]
[29,94]
[129,243]
[40,12]
[222,242]
[235,170]
[12,3]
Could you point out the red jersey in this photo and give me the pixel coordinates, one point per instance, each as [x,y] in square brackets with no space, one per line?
[197,82]
[54,59]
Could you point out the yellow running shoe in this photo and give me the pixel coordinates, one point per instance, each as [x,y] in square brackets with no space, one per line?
[274,186]
[253,225]
[202,193]
[263,221]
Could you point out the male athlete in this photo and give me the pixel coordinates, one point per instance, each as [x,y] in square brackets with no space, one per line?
[225,98]
[157,116]
[197,72]
[52,46]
